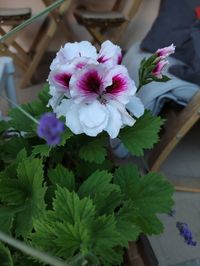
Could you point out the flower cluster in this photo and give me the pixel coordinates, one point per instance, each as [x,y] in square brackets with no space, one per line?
[92,90]
[50,128]
[161,61]
[186,233]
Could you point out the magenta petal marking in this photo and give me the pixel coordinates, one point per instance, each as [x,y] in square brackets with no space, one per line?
[119,85]
[90,82]
[63,79]
[119,61]
[102,59]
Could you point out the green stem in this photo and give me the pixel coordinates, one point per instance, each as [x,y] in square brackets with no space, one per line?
[31,251]
[21,109]
[30,20]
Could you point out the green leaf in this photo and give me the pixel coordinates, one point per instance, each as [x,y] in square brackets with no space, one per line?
[5,256]
[65,136]
[66,229]
[98,182]
[126,225]
[62,176]
[44,95]
[6,223]
[149,224]
[43,150]
[67,206]
[30,178]
[94,151]
[142,135]
[150,193]
[106,237]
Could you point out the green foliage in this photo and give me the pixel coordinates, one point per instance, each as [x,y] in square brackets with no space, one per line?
[150,194]
[62,176]
[22,195]
[94,151]
[5,256]
[143,135]
[71,201]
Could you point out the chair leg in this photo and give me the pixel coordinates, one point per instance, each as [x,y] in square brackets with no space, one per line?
[42,46]
[185,120]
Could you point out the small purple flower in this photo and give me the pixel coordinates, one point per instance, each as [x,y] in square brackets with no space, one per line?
[186,233]
[50,128]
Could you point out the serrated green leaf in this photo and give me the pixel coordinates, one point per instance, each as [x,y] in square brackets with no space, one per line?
[62,176]
[65,136]
[125,223]
[94,151]
[67,206]
[150,193]
[106,237]
[43,150]
[98,182]
[6,223]
[30,177]
[44,95]
[5,256]
[142,135]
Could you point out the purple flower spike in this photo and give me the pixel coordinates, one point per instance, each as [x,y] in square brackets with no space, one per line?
[186,233]
[50,128]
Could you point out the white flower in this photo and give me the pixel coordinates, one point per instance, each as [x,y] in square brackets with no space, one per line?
[110,54]
[98,100]
[74,50]
[93,91]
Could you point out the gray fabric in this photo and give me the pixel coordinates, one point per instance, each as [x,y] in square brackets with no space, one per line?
[191,49]
[172,25]
[177,23]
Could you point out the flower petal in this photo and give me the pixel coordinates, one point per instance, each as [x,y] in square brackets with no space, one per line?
[122,87]
[136,107]
[110,54]
[71,112]
[93,118]
[57,96]
[88,83]
[114,122]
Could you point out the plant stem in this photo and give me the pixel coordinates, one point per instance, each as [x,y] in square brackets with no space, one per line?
[31,251]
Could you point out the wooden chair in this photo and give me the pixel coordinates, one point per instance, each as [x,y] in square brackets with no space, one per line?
[107,24]
[183,122]
[30,61]
[13,17]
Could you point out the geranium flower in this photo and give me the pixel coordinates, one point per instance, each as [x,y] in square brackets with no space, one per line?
[98,101]
[166,51]
[110,54]
[74,50]
[159,68]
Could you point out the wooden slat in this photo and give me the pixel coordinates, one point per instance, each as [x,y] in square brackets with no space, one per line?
[185,120]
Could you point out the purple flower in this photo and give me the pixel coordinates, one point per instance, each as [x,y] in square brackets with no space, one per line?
[186,233]
[50,128]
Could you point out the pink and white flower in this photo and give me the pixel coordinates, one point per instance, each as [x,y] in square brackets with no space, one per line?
[98,101]
[110,54]
[166,51]
[93,91]
[160,66]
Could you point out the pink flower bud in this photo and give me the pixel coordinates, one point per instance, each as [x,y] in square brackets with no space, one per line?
[157,71]
[166,51]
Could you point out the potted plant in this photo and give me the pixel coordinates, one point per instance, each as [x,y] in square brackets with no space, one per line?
[60,192]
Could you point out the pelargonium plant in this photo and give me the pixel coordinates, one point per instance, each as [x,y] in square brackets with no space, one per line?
[61,190]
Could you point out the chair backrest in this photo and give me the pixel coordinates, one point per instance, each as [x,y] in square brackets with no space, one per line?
[131,6]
